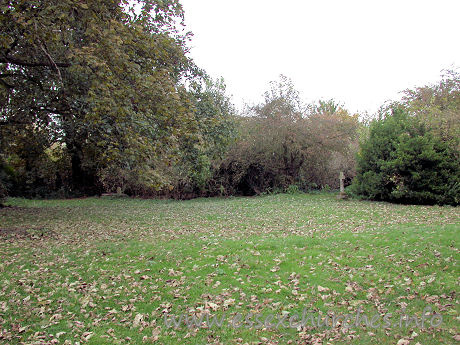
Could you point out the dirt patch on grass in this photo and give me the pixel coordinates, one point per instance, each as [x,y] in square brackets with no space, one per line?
[27,232]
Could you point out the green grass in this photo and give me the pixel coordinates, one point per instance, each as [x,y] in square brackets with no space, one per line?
[105,271]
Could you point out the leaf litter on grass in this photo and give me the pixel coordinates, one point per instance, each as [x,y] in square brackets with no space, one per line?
[115,268]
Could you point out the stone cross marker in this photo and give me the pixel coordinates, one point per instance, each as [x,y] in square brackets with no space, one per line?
[342,177]
[342,194]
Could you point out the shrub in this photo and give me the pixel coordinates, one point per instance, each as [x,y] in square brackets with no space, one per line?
[403,161]
[293,189]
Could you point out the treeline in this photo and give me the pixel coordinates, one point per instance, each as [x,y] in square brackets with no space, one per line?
[101,96]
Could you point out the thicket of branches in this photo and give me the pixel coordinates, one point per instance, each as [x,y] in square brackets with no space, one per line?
[285,144]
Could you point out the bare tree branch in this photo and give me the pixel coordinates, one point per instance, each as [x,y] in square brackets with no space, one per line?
[50,59]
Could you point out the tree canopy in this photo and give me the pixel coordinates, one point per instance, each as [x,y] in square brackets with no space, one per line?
[101,86]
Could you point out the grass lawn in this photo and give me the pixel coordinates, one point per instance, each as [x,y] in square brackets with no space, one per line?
[107,271]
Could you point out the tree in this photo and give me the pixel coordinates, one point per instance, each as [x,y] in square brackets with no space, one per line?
[102,80]
[286,142]
[200,153]
[282,100]
[404,161]
[438,106]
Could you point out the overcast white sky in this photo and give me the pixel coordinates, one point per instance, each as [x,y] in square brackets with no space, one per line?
[359,52]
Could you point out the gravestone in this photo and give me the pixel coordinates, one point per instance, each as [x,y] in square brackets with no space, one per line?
[341,178]
[342,194]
